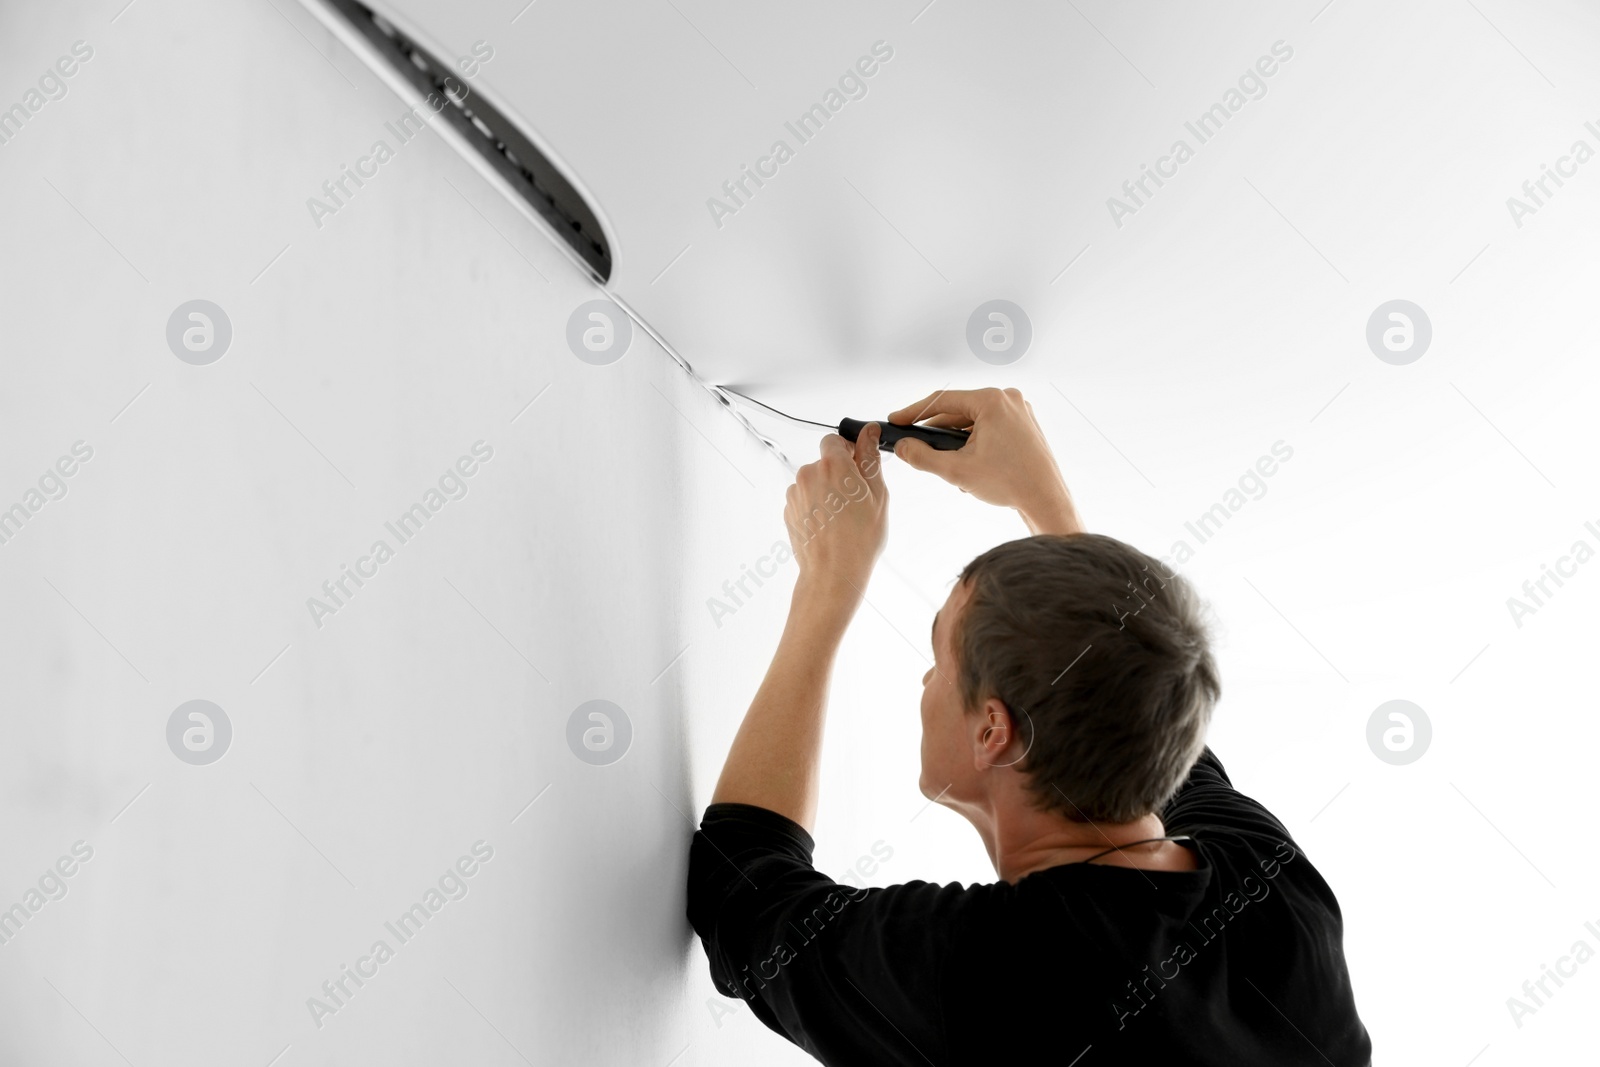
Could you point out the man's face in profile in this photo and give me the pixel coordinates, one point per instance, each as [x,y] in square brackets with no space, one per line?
[947,758]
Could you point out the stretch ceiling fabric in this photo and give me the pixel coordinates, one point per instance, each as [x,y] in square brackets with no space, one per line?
[1319,159]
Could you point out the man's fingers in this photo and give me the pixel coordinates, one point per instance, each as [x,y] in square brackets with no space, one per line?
[868,458]
[959,402]
[836,445]
[921,456]
[862,455]
[958,422]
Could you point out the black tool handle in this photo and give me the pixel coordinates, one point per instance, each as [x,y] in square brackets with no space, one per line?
[935,436]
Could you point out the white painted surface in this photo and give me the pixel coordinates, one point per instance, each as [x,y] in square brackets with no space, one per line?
[372,752]
[370,354]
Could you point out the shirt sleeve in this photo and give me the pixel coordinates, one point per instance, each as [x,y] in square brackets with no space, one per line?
[1207,800]
[1206,774]
[850,974]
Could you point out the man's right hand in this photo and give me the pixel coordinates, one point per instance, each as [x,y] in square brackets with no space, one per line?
[1006,460]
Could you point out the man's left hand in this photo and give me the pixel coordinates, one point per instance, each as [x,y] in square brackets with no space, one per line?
[837,512]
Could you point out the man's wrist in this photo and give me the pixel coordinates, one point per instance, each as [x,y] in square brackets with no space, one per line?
[1057,516]
[824,604]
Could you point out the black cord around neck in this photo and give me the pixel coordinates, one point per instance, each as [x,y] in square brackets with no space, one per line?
[1131,844]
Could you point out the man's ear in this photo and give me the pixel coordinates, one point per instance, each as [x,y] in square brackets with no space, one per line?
[994,732]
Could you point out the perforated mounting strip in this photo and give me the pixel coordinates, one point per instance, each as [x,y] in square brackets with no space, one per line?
[491,134]
[525,169]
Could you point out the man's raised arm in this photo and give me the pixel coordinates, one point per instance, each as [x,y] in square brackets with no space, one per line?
[837,515]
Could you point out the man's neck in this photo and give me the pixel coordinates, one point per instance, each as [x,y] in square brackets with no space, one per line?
[1021,842]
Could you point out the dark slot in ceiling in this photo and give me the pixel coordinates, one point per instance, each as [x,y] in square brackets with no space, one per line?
[491,134]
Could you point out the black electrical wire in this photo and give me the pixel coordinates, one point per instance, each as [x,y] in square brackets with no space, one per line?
[775,411]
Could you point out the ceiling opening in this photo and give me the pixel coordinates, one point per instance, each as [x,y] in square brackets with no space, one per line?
[495,137]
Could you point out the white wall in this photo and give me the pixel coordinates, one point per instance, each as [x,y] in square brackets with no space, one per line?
[371,752]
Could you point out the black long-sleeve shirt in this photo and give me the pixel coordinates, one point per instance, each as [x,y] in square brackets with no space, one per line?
[1237,963]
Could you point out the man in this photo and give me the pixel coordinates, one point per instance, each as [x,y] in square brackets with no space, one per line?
[1146,912]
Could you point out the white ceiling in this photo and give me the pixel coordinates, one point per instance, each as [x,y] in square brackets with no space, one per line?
[980,160]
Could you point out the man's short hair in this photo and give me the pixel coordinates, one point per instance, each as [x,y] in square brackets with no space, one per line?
[1101,655]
